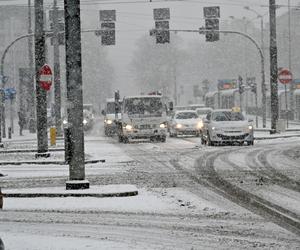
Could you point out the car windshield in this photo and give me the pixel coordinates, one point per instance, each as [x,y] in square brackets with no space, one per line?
[144,106]
[227,116]
[186,115]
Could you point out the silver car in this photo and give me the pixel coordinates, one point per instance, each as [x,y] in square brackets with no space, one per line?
[226,126]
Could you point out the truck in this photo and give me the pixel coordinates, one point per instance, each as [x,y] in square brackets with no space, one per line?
[143,117]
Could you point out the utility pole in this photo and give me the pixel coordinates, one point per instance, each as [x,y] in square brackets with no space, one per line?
[30,87]
[74,95]
[273,66]
[41,96]
[57,89]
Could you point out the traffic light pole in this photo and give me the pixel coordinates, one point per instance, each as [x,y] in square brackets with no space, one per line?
[273,65]
[57,88]
[74,95]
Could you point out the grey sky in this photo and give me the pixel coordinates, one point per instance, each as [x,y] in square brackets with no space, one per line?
[135,18]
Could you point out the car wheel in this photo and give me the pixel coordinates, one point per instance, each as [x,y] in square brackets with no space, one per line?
[203,142]
[163,139]
[125,140]
[209,142]
[250,143]
[120,138]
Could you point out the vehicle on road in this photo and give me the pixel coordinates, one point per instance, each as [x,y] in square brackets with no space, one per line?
[143,117]
[110,116]
[226,126]
[185,122]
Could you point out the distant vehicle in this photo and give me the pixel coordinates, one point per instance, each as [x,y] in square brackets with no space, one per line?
[185,122]
[143,117]
[110,117]
[226,126]
[195,106]
[88,120]
[202,112]
[89,107]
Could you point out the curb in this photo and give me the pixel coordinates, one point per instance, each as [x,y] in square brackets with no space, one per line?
[275,137]
[28,150]
[47,162]
[61,195]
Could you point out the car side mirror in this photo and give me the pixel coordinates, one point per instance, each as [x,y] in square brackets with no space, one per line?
[103,112]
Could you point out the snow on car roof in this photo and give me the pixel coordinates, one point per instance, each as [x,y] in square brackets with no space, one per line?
[228,92]
[142,96]
[185,111]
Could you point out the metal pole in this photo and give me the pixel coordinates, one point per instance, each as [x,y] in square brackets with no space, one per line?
[12,115]
[74,94]
[41,97]
[57,90]
[291,95]
[30,88]
[263,87]
[286,106]
[256,105]
[273,66]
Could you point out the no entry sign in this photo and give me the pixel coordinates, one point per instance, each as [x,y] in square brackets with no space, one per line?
[46,77]
[285,76]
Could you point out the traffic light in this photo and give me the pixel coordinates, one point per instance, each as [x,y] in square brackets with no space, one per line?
[253,87]
[161,32]
[241,85]
[108,29]
[212,24]
[117,101]
[108,36]
[212,15]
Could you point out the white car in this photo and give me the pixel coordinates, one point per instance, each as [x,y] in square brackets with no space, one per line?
[226,126]
[185,122]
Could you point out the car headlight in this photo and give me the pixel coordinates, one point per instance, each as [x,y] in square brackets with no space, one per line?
[213,128]
[108,121]
[178,125]
[162,125]
[250,127]
[128,127]
[200,124]
[84,121]
[65,122]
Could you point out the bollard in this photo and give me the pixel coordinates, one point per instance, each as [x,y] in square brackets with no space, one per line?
[68,146]
[1,199]
[9,132]
[53,136]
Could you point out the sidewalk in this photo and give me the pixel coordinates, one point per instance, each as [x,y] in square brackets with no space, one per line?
[17,160]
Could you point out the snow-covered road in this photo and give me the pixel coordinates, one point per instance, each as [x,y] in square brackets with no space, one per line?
[177,206]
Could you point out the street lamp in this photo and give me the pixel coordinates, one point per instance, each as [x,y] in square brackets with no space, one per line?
[263,87]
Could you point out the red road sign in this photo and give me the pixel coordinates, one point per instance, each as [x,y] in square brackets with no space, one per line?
[285,76]
[46,77]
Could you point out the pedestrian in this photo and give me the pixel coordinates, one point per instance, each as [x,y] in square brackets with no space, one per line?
[21,121]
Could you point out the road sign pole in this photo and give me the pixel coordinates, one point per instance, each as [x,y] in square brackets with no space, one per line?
[286,107]
[41,98]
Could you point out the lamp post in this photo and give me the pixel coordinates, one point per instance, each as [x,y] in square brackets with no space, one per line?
[263,87]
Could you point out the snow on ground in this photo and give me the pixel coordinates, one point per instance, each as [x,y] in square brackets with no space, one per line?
[171,200]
